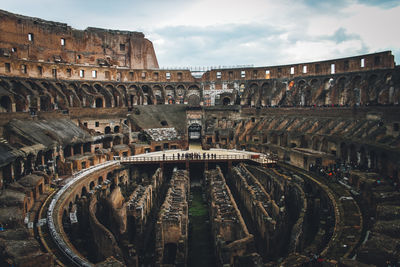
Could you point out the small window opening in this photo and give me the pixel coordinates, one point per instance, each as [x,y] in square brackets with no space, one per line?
[168,75]
[81,73]
[7,66]
[97,124]
[267,74]
[362,62]
[122,47]
[54,73]
[143,75]
[179,75]
[243,74]
[30,37]
[219,75]
[304,69]
[292,70]
[23,68]
[332,68]
[69,72]
[62,41]
[13,49]
[94,73]
[40,70]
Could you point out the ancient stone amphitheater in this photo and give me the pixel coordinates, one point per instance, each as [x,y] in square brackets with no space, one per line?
[108,160]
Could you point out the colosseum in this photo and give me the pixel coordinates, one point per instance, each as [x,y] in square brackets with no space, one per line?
[108,160]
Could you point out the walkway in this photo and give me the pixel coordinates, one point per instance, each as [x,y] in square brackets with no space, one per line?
[197,154]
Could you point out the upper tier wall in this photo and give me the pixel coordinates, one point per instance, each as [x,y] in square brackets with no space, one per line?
[40,40]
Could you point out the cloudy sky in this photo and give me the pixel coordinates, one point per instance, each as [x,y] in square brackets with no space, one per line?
[236,32]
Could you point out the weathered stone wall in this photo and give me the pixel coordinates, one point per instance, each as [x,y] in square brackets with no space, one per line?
[104,240]
[231,237]
[269,219]
[39,40]
[172,225]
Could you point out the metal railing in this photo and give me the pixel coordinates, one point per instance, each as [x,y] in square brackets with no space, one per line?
[201,157]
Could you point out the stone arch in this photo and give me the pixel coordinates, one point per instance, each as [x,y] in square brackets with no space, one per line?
[316,143]
[158,94]
[107,130]
[133,95]
[92,185]
[274,138]
[362,158]
[226,101]
[301,98]
[254,95]
[116,129]
[74,99]
[283,139]
[117,140]
[170,93]
[266,90]
[46,102]
[341,96]
[372,95]
[343,152]
[107,95]
[119,94]
[84,191]
[353,154]
[303,141]
[180,94]
[372,159]
[99,103]
[194,100]
[324,145]
[6,103]
[100,180]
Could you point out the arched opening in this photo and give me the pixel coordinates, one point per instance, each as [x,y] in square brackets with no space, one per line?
[100,180]
[107,130]
[194,132]
[316,143]
[84,191]
[5,104]
[194,100]
[226,101]
[303,142]
[116,129]
[353,154]
[170,250]
[117,141]
[45,103]
[99,102]
[343,152]
[91,185]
